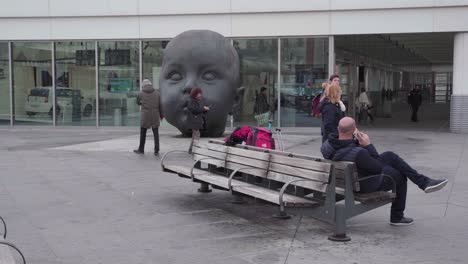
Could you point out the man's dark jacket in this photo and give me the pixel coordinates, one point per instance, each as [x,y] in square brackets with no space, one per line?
[366,159]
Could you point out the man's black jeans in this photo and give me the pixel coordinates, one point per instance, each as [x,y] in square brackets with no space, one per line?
[400,171]
[414,115]
[143,139]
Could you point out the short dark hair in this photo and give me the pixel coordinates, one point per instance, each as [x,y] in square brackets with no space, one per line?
[333,76]
[195,91]
[263,89]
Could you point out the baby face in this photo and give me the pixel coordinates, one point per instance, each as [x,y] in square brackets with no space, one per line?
[201,59]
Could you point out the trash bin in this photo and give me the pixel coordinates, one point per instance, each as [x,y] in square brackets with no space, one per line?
[67,114]
[117,117]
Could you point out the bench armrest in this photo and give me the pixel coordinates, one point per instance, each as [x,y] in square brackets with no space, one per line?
[283,189]
[4,225]
[15,248]
[195,164]
[167,154]
[378,175]
[236,171]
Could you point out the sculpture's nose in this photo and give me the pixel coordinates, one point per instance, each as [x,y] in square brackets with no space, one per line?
[189,85]
[186,90]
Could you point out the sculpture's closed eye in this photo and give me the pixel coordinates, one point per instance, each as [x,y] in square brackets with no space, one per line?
[209,76]
[174,76]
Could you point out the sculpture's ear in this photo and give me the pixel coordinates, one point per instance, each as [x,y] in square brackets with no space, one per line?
[237,98]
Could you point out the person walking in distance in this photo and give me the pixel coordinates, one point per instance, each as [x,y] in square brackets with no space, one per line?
[415,100]
[196,115]
[151,115]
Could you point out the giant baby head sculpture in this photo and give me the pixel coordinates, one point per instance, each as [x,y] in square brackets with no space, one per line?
[204,59]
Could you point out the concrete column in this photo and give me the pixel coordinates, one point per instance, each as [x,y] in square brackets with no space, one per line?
[459,103]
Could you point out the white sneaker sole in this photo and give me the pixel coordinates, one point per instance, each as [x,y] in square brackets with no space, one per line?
[401,224]
[435,188]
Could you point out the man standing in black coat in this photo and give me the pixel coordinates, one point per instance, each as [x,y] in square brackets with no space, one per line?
[415,100]
[354,146]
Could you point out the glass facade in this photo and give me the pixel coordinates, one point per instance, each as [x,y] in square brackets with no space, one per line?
[119,83]
[32,83]
[304,67]
[258,69]
[75,80]
[4,85]
[63,75]
[152,60]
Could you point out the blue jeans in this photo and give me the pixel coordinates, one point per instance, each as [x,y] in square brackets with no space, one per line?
[400,172]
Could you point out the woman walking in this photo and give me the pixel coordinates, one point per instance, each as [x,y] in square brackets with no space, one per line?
[332,110]
[196,118]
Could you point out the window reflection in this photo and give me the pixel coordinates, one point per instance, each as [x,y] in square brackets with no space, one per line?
[304,67]
[119,83]
[75,83]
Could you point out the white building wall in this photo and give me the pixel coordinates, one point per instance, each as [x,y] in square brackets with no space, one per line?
[129,19]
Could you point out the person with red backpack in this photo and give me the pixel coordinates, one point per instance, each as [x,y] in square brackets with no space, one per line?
[334,79]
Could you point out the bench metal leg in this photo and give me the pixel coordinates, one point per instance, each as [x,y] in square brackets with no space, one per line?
[282,215]
[340,225]
[204,188]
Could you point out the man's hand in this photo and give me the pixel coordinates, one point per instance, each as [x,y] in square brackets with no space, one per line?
[363,139]
[206,108]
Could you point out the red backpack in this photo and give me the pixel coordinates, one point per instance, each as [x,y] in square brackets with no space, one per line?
[315,106]
[252,136]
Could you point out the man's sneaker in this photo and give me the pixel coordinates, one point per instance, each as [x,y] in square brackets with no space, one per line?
[402,222]
[137,151]
[435,185]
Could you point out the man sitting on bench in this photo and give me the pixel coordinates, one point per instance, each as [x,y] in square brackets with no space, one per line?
[354,146]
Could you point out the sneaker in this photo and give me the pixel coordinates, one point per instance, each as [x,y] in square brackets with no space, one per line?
[137,151]
[435,185]
[156,153]
[402,222]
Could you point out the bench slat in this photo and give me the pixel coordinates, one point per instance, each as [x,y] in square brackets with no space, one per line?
[369,197]
[233,166]
[209,153]
[243,187]
[340,165]
[248,161]
[299,172]
[316,186]
[238,151]
[273,196]
[301,163]
[312,185]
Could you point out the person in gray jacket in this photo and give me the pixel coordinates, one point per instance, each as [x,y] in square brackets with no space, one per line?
[151,115]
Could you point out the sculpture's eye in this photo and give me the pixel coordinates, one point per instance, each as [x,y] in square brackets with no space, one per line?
[209,76]
[174,76]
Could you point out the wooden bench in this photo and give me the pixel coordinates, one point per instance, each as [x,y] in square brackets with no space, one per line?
[300,184]
[6,257]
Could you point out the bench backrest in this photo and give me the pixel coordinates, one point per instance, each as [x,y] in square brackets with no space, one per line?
[338,167]
[270,165]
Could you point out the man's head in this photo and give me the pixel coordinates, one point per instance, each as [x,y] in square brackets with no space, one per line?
[146,83]
[263,90]
[335,79]
[346,128]
[204,59]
